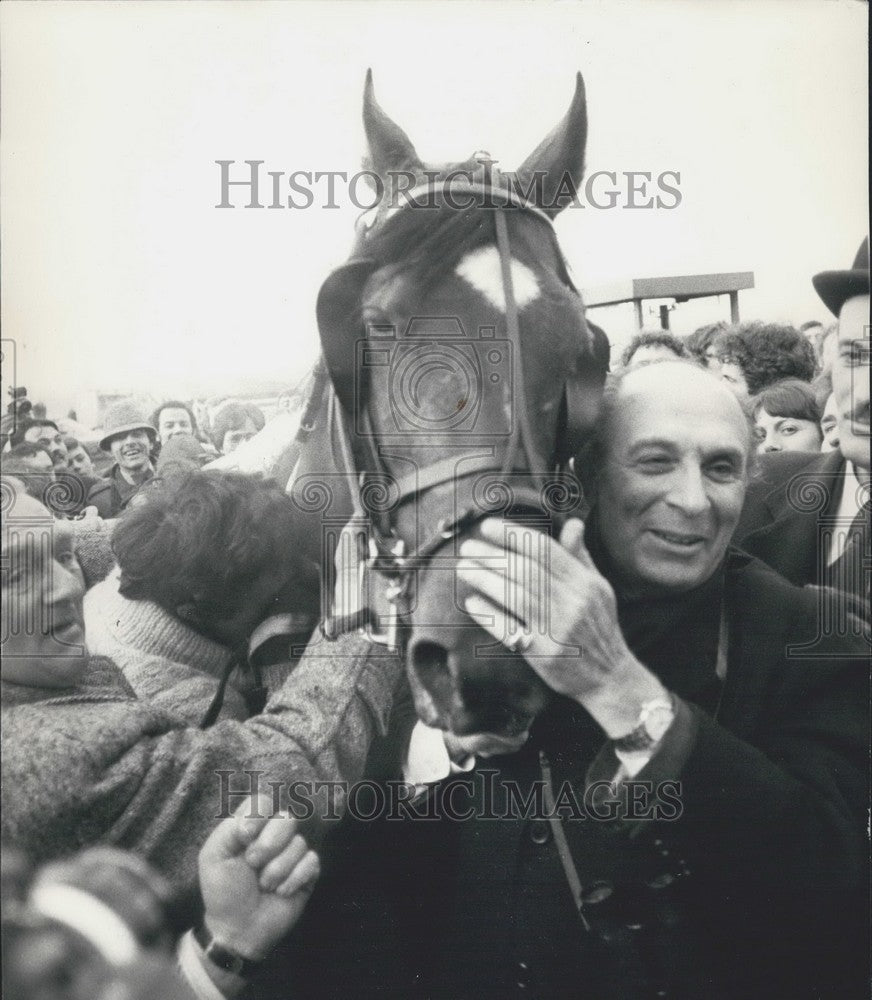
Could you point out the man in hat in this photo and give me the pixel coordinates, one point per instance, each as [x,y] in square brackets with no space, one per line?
[129,437]
[807,514]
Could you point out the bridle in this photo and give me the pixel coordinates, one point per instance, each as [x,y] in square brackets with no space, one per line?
[387,553]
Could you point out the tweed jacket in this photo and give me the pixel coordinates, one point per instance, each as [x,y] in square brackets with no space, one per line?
[95,764]
[165,661]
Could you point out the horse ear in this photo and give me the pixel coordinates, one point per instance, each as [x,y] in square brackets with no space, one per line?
[556,165]
[389,146]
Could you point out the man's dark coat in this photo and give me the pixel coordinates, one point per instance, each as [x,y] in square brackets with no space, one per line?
[785,511]
[754,890]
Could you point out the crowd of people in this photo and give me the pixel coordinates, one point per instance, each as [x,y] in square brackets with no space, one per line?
[166,699]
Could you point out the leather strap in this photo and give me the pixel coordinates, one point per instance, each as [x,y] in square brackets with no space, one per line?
[560,841]
[224,958]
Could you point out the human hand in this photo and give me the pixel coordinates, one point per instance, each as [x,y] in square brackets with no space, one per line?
[256,876]
[552,597]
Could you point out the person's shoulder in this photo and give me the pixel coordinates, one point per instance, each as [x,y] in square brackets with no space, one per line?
[99,487]
[773,606]
[777,469]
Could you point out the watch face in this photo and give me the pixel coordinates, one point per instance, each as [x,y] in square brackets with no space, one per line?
[658,721]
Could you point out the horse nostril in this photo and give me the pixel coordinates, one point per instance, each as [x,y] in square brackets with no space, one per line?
[429,667]
[429,660]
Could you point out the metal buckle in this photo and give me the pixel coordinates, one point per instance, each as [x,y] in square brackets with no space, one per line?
[393,565]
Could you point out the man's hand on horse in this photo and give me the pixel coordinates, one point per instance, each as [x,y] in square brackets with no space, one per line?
[547,600]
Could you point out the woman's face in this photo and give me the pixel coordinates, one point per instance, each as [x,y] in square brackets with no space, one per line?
[732,374]
[775,433]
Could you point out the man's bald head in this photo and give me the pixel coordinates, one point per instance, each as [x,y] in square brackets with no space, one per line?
[669,477]
[676,386]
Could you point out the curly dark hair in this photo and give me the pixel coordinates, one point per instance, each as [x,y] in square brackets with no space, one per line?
[654,338]
[767,353]
[207,541]
[702,339]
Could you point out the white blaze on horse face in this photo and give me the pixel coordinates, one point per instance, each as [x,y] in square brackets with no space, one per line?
[481,269]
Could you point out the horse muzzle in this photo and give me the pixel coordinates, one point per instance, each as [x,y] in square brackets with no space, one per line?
[463,680]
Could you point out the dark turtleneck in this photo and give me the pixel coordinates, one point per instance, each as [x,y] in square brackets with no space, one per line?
[673,635]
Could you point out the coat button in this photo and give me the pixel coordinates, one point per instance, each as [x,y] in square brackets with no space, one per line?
[597,892]
[660,881]
[523,971]
[540,833]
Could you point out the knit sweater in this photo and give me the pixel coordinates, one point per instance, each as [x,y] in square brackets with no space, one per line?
[94,548]
[165,661]
[93,764]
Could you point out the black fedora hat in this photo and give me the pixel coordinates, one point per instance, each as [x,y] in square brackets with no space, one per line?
[836,287]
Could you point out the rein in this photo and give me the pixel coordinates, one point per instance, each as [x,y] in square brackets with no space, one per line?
[387,551]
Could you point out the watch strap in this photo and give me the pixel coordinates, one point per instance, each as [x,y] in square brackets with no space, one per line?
[224,958]
[655,717]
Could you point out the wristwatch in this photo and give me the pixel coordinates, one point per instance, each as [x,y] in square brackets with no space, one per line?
[654,719]
[223,958]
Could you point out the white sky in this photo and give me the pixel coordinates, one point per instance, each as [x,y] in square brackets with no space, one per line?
[119,272]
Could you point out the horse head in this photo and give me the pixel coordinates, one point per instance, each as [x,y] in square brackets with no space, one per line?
[459,355]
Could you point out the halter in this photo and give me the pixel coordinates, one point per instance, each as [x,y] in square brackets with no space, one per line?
[387,551]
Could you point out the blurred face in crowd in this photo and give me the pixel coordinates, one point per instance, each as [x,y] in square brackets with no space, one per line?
[42,589]
[80,461]
[651,352]
[851,380]
[51,439]
[813,334]
[731,373]
[239,435]
[712,360]
[37,474]
[173,420]
[830,425]
[773,433]
[131,450]
[673,478]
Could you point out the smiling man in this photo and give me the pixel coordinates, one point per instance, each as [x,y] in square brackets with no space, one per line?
[824,542]
[129,437]
[173,418]
[719,846]
[43,628]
